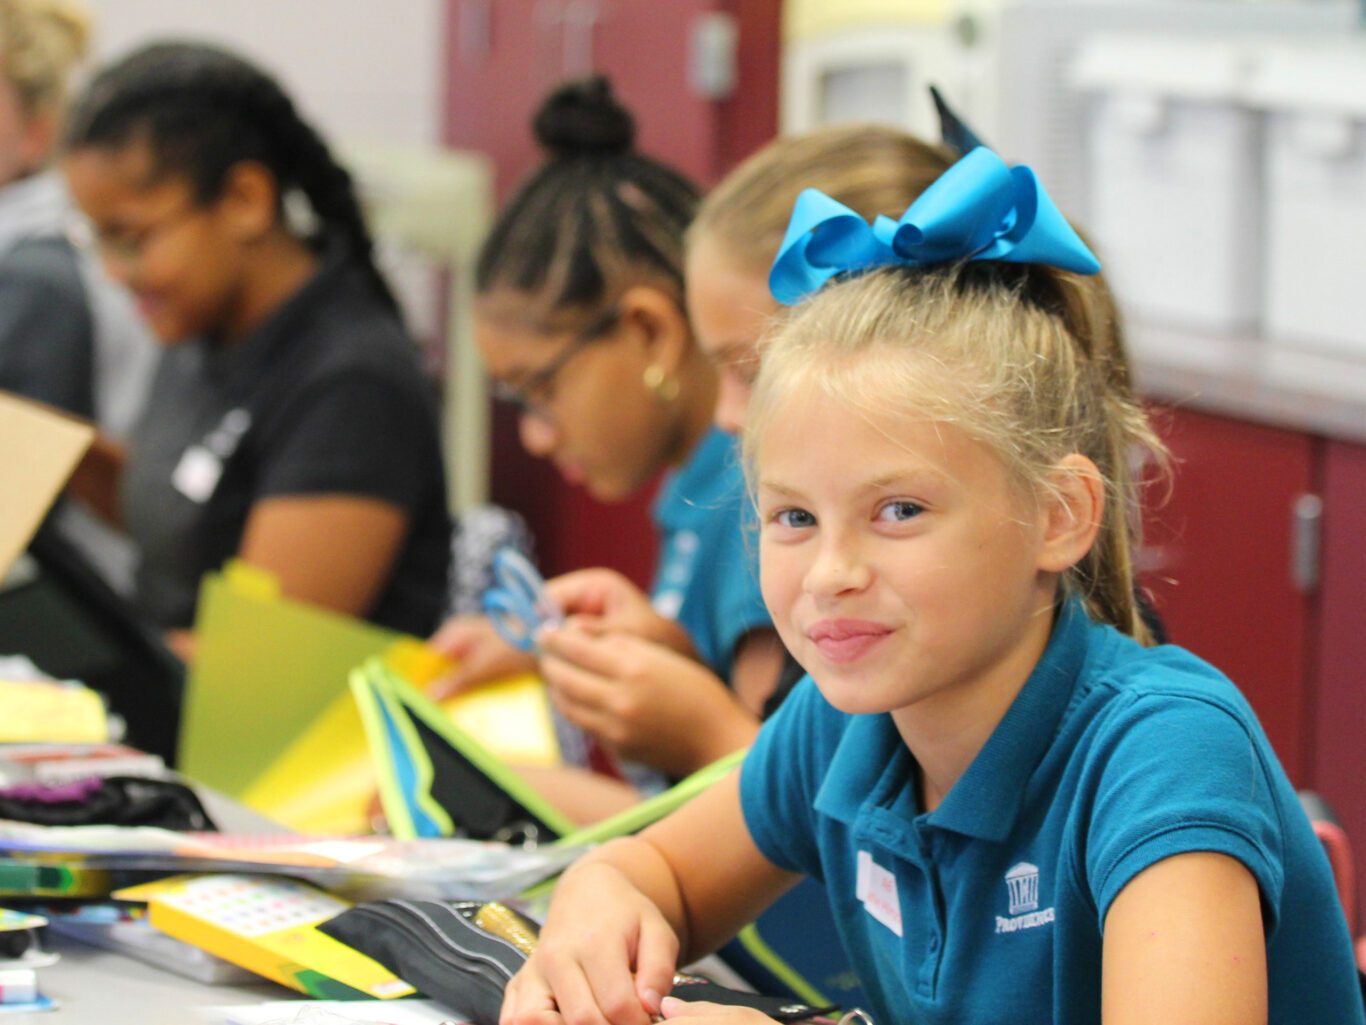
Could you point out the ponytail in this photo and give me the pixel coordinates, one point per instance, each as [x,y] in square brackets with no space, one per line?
[201,110]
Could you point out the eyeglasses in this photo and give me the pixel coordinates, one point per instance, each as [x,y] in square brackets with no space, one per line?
[125,246]
[535,393]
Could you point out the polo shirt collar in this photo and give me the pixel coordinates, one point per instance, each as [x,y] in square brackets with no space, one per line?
[871,770]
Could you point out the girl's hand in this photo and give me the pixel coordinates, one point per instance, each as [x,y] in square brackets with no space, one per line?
[642,700]
[481,656]
[604,601]
[606,954]
[702,1011]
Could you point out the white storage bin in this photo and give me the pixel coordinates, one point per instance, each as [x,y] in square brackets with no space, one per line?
[1315,98]
[1174,186]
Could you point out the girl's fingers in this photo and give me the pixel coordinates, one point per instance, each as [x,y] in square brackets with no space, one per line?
[528,1001]
[656,957]
[572,994]
[575,686]
[586,650]
[606,976]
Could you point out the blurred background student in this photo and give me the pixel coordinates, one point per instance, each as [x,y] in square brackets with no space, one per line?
[581,324]
[69,336]
[291,422]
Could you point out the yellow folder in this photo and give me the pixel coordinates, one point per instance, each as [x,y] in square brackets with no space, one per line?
[267,925]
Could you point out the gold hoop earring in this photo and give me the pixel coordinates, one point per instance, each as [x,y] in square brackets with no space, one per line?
[665,388]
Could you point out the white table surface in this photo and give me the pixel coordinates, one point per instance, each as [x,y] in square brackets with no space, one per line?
[100,987]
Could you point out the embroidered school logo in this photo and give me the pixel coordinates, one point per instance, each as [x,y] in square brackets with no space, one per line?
[1022,885]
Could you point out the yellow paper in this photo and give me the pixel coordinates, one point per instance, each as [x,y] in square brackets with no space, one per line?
[267,925]
[40,448]
[41,710]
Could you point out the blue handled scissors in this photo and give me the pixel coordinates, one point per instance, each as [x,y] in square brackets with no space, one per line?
[519,605]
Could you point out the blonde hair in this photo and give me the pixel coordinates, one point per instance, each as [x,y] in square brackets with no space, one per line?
[871,168]
[41,43]
[998,350]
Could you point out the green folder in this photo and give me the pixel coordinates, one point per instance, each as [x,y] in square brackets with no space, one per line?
[265,668]
[437,780]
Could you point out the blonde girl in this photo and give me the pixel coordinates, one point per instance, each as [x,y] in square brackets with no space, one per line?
[1020,812]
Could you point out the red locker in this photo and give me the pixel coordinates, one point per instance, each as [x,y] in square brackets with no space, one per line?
[502,59]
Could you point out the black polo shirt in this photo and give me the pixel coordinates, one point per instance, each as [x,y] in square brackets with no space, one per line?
[328,396]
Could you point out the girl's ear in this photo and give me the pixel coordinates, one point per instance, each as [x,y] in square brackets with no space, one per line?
[249,202]
[661,323]
[1072,513]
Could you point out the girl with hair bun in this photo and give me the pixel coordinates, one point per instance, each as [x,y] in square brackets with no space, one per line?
[1020,811]
[581,323]
[291,423]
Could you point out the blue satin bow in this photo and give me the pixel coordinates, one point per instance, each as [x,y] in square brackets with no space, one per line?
[979,209]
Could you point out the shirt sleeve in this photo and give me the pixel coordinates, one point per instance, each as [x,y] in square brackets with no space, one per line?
[352,433]
[46,336]
[1184,774]
[779,779]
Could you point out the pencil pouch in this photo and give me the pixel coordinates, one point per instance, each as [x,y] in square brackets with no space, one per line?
[107,801]
[462,953]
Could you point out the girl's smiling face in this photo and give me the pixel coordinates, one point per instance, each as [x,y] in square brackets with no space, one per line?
[900,565]
[177,256]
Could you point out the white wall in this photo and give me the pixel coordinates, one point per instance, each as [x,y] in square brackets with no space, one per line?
[361,70]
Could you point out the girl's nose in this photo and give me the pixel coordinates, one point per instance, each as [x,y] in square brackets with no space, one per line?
[837,569]
[732,400]
[538,434]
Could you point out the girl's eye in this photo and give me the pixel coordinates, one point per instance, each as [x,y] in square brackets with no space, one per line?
[899,511]
[794,519]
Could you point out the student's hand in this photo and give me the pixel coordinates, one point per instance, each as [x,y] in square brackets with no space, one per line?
[481,655]
[606,956]
[698,1012]
[642,700]
[606,602]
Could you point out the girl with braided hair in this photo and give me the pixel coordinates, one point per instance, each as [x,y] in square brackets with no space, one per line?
[581,323]
[290,423]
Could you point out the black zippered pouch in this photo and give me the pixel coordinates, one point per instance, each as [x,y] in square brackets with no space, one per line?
[463,953]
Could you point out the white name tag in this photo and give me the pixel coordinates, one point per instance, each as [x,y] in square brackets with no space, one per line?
[876,888]
[196,475]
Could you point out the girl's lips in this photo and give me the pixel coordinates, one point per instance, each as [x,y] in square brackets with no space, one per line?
[846,640]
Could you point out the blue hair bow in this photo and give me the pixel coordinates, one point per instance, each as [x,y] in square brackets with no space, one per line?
[979,209]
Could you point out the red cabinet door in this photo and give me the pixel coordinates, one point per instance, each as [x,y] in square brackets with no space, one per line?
[1340,715]
[1216,560]
[502,58]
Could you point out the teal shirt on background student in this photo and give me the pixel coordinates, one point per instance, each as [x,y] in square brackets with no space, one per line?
[990,908]
[707,573]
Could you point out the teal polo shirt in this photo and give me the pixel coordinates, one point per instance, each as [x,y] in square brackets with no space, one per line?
[991,907]
[707,572]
